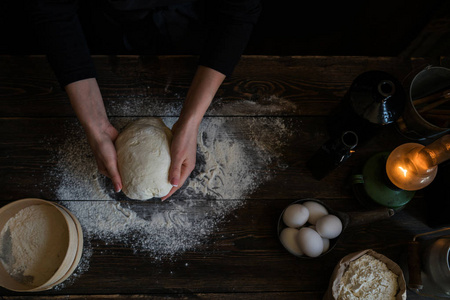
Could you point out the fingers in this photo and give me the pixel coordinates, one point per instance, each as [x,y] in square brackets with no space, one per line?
[109,168]
[117,182]
[183,152]
[179,176]
[174,175]
[103,171]
[102,145]
[173,190]
[112,173]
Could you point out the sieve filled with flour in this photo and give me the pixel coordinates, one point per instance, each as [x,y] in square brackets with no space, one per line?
[40,245]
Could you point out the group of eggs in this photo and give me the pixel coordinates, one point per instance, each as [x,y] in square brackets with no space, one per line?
[310,229]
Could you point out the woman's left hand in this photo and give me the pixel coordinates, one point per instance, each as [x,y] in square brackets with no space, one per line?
[183,150]
[183,154]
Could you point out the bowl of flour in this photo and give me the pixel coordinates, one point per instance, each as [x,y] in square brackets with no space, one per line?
[366,275]
[40,245]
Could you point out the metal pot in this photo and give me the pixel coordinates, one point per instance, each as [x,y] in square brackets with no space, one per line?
[428,266]
[436,264]
[412,124]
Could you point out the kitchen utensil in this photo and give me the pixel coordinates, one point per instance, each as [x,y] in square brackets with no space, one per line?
[429,85]
[428,264]
[374,99]
[72,255]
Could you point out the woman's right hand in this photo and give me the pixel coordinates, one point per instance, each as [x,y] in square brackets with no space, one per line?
[102,145]
[88,105]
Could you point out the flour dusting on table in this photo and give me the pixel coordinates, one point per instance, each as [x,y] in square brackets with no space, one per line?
[231,164]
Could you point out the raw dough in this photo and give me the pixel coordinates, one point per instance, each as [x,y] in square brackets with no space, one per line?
[143,154]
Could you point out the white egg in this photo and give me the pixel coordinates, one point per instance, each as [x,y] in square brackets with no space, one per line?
[316,211]
[310,242]
[295,215]
[288,238]
[329,226]
[326,245]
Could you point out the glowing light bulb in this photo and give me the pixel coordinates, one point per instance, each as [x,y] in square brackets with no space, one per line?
[405,172]
[412,166]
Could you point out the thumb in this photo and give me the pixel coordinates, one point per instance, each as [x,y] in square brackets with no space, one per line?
[175,173]
[117,182]
[113,172]
[174,179]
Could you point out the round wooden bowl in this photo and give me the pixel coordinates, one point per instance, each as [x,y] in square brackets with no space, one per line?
[71,239]
[79,249]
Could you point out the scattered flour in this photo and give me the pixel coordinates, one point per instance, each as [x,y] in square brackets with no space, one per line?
[135,106]
[33,244]
[272,105]
[231,164]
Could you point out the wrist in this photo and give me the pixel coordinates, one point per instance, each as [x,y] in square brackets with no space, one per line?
[204,86]
[95,125]
[87,102]
[188,124]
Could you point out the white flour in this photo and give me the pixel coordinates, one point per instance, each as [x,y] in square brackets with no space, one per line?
[231,164]
[33,244]
[134,106]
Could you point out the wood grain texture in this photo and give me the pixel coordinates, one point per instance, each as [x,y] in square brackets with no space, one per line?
[279,104]
[140,85]
[243,256]
[213,296]
[30,150]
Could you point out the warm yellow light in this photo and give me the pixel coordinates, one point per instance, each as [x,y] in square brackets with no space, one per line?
[412,166]
[403,170]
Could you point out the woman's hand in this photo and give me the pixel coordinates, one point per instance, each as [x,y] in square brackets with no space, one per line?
[183,150]
[88,105]
[102,145]
[183,154]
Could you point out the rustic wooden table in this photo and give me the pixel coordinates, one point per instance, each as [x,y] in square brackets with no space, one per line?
[271,114]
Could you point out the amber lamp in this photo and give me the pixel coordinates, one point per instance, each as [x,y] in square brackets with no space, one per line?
[412,166]
[391,179]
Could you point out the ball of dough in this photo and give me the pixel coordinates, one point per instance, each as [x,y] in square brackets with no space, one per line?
[143,157]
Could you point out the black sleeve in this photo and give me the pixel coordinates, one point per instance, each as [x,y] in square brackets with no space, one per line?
[59,30]
[230,23]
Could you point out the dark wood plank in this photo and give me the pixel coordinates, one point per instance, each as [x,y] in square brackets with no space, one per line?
[141,85]
[274,149]
[243,255]
[211,296]
[274,108]
[259,296]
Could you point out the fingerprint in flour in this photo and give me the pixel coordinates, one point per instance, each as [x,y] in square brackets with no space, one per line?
[170,219]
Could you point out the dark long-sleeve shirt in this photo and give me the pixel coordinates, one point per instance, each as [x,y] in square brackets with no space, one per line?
[228,22]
